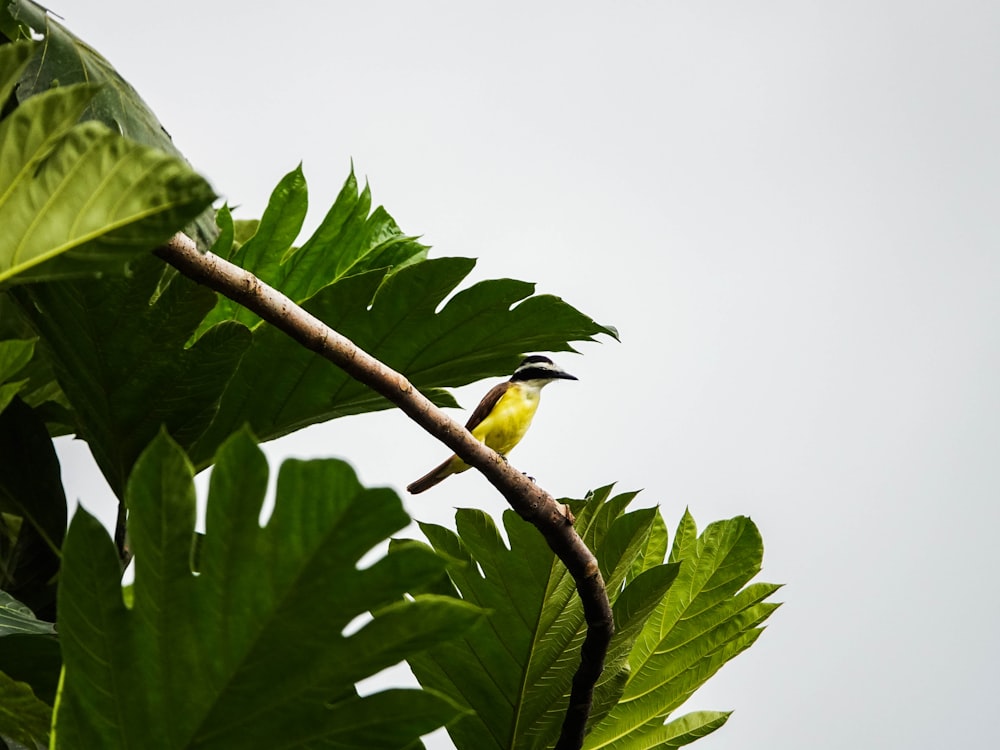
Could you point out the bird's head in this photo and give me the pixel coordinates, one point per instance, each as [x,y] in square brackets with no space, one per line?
[541,369]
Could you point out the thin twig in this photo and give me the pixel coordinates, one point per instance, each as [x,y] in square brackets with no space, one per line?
[530,501]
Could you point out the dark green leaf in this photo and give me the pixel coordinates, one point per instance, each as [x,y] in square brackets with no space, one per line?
[40,390]
[98,334]
[17,619]
[31,491]
[9,27]
[101,333]
[29,650]
[13,62]
[23,717]
[14,355]
[480,332]
[251,652]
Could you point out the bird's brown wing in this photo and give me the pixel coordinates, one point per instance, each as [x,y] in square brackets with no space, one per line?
[486,405]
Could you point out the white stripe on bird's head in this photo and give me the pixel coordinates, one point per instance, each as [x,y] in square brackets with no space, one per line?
[537,367]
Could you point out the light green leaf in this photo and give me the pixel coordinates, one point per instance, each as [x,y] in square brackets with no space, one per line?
[64,60]
[656,547]
[78,199]
[349,241]
[81,200]
[682,731]
[251,651]
[515,671]
[707,617]
[675,625]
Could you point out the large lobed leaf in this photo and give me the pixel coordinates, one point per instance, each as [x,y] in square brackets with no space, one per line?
[350,240]
[63,60]
[362,276]
[251,652]
[77,199]
[98,334]
[515,670]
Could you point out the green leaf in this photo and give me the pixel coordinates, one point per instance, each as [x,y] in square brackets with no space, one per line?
[9,27]
[675,624]
[79,199]
[14,355]
[99,333]
[685,730]
[63,60]
[482,331]
[349,241]
[38,386]
[13,62]
[251,652]
[655,550]
[23,718]
[515,671]
[17,619]
[29,650]
[31,492]
[707,617]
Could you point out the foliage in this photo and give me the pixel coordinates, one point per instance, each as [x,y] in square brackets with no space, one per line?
[29,656]
[32,509]
[204,381]
[76,198]
[250,652]
[676,623]
[248,635]
[65,60]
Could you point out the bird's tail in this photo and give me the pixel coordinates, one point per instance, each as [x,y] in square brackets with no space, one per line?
[436,475]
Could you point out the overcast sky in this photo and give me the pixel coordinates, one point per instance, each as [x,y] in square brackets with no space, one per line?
[788,209]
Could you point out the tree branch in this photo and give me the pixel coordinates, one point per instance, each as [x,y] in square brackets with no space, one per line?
[530,501]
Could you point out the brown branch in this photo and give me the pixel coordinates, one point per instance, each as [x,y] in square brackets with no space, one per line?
[530,501]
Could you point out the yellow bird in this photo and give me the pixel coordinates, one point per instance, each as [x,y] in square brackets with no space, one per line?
[503,416]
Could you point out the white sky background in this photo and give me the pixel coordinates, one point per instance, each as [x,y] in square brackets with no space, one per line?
[788,209]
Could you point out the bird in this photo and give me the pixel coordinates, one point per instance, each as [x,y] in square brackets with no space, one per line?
[502,417]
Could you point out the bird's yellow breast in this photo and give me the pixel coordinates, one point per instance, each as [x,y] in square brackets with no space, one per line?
[506,424]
